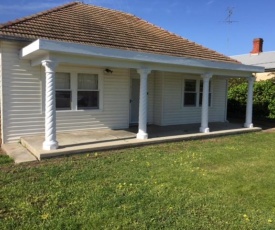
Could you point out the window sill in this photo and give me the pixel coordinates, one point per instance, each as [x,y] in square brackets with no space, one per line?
[80,111]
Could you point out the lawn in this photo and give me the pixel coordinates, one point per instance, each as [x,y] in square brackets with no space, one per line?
[222,183]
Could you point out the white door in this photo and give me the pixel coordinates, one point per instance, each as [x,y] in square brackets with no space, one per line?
[134,100]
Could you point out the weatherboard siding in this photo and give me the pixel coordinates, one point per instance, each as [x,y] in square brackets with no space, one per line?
[217,111]
[158,82]
[21,88]
[0,75]
[151,88]
[1,109]
[23,112]
[115,106]
[173,110]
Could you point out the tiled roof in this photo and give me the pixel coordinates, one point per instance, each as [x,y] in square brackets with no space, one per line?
[86,24]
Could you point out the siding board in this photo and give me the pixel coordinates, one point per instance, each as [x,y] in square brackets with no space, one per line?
[21,94]
[150,87]
[1,108]
[23,98]
[173,110]
[158,95]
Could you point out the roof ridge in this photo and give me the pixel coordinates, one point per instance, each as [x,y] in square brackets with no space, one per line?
[9,23]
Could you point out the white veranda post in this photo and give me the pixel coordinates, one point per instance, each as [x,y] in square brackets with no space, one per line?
[249,104]
[142,119]
[50,111]
[205,100]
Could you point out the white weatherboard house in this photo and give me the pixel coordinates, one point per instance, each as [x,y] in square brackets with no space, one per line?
[81,67]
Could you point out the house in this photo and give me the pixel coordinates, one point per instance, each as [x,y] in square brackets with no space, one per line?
[82,67]
[259,58]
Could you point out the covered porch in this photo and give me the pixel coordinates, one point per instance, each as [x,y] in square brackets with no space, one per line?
[107,139]
[54,142]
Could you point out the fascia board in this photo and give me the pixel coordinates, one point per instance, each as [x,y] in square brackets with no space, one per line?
[40,45]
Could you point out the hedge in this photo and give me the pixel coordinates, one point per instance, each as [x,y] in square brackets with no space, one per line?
[263,99]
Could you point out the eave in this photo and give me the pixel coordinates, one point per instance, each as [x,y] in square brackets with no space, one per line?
[61,51]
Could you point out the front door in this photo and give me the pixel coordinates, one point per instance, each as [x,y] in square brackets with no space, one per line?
[134,107]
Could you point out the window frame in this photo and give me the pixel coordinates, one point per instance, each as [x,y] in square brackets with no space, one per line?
[73,81]
[88,90]
[190,92]
[64,90]
[198,93]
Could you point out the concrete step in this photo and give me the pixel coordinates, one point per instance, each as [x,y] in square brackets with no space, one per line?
[18,153]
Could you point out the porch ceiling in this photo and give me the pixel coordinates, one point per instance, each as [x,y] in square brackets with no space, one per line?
[72,53]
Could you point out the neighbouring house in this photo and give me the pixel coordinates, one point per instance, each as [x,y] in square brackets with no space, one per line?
[80,67]
[259,58]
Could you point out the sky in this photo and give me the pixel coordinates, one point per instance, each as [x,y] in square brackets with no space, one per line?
[226,26]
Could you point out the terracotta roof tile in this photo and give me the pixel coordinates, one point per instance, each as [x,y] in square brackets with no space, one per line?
[86,24]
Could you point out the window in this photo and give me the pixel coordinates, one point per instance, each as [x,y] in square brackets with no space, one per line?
[77,91]
[193,91]
[190,94]
[63,91]
[88,93]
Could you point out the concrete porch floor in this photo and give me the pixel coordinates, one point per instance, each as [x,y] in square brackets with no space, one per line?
[97,140]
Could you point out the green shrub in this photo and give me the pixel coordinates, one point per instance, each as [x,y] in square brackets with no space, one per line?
[271,108]
[237,96]
[263,99]
[236,81]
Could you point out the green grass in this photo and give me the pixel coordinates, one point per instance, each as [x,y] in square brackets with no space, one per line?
[4,159]
[223,183]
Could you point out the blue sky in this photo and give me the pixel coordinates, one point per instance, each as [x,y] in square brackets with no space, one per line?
[201,21]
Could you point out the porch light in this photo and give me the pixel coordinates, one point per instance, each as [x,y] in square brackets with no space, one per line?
[108,71]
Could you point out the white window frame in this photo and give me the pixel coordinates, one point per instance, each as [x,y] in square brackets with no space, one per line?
[89,90]
[74,71]
[197,105]
[193,92]
[65,90]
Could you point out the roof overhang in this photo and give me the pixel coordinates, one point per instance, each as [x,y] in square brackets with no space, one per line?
[61,51]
